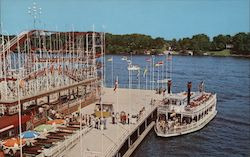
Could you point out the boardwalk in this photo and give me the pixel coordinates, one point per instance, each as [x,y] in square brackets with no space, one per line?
[106,142]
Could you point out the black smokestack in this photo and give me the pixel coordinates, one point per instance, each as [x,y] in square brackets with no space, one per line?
[189,86]
[169,86]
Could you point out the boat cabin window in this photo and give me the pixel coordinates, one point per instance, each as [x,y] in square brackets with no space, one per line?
[172,102]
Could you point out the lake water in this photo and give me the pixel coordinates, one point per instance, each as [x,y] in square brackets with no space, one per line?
[228,134]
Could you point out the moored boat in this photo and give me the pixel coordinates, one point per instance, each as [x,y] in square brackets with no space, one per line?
[163,81]
[124,58]
[133,67]
[185,112]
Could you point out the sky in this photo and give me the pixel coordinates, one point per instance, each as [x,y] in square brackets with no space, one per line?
[159,18]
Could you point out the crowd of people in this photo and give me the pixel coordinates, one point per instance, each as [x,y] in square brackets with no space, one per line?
[92,120]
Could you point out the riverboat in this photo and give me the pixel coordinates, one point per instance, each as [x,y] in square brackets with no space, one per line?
[185,112]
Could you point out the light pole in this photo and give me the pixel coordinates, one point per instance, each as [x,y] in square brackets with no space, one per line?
[35,12]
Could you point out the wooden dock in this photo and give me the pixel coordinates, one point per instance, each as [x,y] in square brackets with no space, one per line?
[118,139]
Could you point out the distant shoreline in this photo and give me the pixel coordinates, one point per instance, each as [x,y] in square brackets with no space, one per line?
[231,55]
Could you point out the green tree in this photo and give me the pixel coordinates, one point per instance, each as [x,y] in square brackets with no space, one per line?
[241,43]
[175,45]
[220,42]
[200,43]
[185,44]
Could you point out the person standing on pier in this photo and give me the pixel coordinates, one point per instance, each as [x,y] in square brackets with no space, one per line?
[86,119]
[113,118]
[128,117]
[117,117]
[99,123]
[96,123]
[89,120]
[105,123]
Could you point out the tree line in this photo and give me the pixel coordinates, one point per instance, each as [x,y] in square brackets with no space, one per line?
[198,44]
[238,44]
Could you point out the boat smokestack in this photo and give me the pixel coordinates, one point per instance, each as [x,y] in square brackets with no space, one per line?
[189,86]
[169,86]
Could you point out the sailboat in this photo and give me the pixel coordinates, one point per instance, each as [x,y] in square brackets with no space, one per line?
[132,67]
[163,80]
[124,58]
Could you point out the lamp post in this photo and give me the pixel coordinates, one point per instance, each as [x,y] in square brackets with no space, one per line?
[35,12]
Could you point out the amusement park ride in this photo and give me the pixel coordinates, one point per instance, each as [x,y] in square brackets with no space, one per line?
[46,70]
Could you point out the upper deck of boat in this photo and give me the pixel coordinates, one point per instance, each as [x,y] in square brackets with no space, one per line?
[177,102]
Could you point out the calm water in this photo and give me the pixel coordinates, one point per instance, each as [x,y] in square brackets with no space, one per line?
[228,134]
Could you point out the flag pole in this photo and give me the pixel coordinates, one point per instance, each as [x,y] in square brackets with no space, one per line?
[150,74]
[146,78]
[139,82]
[153,80]
[112,72]
[19,101]
[158,78]
[117,109]
[80,105]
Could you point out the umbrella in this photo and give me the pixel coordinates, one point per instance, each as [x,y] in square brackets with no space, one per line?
[2,153]
[13,142]
[43,128]
[30,134]
[56,121]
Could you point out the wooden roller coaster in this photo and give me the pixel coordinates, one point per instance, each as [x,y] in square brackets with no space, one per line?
[46,68]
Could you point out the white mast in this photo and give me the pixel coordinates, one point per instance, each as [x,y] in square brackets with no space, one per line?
[153,80]
[19,101]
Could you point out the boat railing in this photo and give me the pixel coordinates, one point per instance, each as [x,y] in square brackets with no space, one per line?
[183,128]
[113,149]
[195,110]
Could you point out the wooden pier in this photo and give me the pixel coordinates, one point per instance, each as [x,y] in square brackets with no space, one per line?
[119,139]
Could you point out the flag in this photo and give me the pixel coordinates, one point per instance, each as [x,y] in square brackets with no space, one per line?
[145,72]
[159,63]
[116,85]
[148,59]
[201,86]
[169,58]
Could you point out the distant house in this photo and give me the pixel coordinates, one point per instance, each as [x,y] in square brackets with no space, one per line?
[190,53]
[229,46]
[147,52]
[168,52]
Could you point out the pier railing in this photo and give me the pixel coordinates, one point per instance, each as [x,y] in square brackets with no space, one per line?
[60,147]
[92,154]
[114,148]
